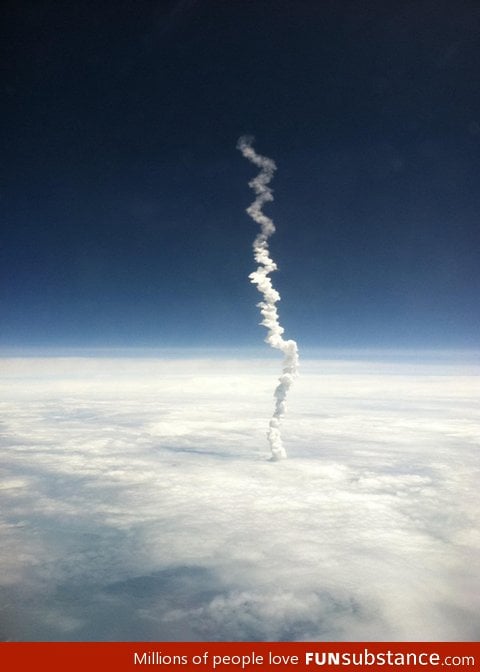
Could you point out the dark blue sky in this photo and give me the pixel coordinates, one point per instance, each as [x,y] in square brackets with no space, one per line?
[123,196]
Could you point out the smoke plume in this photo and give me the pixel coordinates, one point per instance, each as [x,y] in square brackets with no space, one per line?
[261,279]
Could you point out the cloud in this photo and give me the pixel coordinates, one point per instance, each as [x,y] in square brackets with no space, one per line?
[137,502]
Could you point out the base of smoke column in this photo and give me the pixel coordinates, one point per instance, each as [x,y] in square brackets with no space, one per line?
[277,456]
[275,440]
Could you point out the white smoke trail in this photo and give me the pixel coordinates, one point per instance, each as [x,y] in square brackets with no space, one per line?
[260,277]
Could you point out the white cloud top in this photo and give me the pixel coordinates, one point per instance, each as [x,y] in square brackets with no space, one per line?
[136,503]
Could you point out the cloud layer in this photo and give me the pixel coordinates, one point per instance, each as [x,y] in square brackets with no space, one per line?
[138,502]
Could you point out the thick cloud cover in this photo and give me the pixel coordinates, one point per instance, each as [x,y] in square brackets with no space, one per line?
[138,502]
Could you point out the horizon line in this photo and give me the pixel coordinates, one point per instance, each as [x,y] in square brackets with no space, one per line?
[251,352]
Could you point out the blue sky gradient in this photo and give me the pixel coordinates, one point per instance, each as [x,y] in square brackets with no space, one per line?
[123,197]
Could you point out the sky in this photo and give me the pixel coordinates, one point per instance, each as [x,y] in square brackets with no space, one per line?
[137,503]
[122,195]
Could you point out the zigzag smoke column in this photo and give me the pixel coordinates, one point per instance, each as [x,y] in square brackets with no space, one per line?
[261,278]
